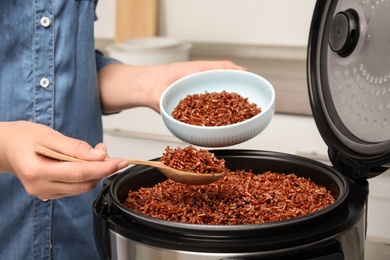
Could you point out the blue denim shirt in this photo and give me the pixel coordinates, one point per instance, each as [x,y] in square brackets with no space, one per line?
[48,75]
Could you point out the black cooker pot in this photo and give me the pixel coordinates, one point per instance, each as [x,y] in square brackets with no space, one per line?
[256,161]
[126,234]
[348,80]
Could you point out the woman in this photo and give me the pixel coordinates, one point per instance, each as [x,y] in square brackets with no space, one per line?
[53,89]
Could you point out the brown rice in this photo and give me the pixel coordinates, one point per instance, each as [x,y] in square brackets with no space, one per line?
[190,159]
[214,109]
[241,197]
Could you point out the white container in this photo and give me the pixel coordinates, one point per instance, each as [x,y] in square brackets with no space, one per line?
[150,51]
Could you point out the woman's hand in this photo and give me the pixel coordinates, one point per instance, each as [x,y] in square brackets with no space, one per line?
[125,86]
[47,178]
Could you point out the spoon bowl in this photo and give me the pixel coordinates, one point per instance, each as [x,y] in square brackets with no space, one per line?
[190,178]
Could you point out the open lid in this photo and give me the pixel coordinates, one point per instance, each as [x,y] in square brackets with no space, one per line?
[348,70]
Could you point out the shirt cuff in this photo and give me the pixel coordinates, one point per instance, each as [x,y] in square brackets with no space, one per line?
[102,60]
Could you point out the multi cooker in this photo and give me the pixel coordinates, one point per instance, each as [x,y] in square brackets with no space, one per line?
[348,76]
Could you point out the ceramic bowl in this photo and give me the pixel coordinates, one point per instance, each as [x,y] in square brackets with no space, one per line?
[249,85]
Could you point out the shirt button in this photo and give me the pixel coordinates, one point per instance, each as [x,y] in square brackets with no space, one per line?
[45,22]
[44,82]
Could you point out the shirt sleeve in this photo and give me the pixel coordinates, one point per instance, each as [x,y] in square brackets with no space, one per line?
[102,60]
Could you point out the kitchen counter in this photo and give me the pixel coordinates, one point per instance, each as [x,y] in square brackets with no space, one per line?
[377,250]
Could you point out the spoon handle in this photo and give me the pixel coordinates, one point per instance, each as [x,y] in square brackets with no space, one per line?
[59,156]
[143,162]
[55,155]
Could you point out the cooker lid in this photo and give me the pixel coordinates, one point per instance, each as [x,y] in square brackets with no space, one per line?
[348,69]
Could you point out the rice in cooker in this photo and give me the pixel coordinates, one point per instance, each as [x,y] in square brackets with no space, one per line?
[241,197]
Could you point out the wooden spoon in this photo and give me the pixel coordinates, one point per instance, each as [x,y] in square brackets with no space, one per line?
[191,178]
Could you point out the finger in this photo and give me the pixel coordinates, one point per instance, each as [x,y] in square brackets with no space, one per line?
[79,149]
[102,147]
[224,64]
[227,65]
[78,172]
[60,189]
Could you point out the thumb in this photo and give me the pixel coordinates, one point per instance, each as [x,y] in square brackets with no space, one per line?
[82,150]
[102,148]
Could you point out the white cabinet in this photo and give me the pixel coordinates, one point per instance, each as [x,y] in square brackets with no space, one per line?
[258,22]
[285,133]
[379,208]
